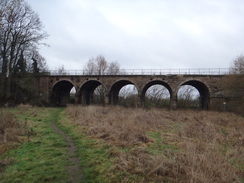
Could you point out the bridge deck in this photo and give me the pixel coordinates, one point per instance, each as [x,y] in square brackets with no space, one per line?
[196,71]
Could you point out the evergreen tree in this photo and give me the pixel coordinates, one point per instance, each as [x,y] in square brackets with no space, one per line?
[35,68]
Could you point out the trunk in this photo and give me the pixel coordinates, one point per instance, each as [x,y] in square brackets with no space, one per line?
[3,81]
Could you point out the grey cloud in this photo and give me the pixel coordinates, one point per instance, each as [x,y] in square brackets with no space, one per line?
[143,34]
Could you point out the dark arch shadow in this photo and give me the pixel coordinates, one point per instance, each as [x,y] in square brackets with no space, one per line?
[114,91]
[203,92]
[60,93]
[152,83]
[87,92]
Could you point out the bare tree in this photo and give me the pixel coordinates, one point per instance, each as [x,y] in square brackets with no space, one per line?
[113,68]
[188,96]
[127,91]
[20,35]
[90,68]
[157,92]
[157,96]
[237,67]
[233,85]
[61,71]
[128,96]
[100,66]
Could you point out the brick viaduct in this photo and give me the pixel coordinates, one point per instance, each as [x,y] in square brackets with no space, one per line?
[55,90]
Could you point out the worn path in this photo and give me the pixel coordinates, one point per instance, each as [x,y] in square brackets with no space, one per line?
[74,170]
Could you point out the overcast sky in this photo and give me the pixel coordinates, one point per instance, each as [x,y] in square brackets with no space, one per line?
[142,34]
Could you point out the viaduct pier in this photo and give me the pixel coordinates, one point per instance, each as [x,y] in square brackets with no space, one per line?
[55,89]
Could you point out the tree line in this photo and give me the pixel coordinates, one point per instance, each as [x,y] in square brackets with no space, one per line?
[21,33]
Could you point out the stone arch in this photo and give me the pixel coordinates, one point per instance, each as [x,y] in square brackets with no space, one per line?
[86,92]
[58,80]
[115,88]
[203,90]
[60,92]
[155,82]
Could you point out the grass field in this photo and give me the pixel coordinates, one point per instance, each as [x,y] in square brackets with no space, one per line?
[116,144]
[37,154]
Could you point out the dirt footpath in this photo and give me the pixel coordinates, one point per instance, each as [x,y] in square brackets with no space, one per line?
[74,170]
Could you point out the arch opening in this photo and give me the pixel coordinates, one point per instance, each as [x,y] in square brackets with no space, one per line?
[61,93]
[156,94]
[194,95]
[91,93]
[99,95]
[124,93]
[128,96]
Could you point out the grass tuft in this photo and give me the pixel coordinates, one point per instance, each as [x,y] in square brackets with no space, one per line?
[165,146]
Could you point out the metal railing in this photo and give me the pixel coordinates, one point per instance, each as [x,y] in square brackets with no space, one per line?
[196,71]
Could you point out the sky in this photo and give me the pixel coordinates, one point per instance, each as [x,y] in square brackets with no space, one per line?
[142,34]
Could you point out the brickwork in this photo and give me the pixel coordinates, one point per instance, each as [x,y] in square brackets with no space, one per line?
[55,89]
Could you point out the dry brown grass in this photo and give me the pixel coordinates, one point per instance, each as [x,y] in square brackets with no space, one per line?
[9,128]
[189,146]
[9,131]
[12,130]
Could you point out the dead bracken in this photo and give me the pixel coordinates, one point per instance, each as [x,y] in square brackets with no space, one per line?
[171,146]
